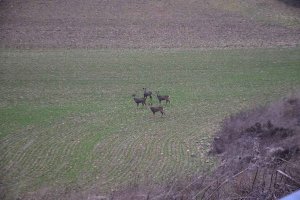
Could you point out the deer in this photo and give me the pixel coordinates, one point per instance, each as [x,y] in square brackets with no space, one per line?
[163,98]
[139,100]
[155,109]
[147,93]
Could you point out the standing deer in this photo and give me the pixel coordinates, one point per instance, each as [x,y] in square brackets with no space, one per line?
[139,100]
[163,98]
[155,109]
[147,93]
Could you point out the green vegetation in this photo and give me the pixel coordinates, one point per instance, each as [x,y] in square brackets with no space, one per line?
[68,118]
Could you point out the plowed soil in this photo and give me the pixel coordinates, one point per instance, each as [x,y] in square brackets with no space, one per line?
[147,24]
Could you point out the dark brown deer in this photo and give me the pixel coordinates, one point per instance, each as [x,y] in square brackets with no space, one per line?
[155,109]
[139,100]
[163,98]
[147,93]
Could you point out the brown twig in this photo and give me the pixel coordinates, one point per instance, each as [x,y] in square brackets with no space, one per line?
[275,181]
[224,182]
[283,171]
[271,181]
[206,188]
[289,177]
[254,178]
[288,162]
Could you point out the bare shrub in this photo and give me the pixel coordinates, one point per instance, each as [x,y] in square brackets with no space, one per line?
[266,142]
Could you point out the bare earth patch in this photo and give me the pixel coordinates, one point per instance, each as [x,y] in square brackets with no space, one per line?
[146,24]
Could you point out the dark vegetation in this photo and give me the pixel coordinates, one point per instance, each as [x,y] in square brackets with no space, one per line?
[259,155]
[264,144]
[294,3]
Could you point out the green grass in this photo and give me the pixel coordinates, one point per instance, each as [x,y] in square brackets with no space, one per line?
[68,119]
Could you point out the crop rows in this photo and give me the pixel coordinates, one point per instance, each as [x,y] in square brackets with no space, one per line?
[88,132]
[152,154]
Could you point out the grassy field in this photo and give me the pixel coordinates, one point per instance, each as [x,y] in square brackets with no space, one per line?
[68,119]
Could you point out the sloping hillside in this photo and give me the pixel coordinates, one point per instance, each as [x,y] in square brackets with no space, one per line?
[148,24]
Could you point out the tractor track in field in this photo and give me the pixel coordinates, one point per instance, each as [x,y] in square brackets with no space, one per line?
[140,157]
[29,158]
